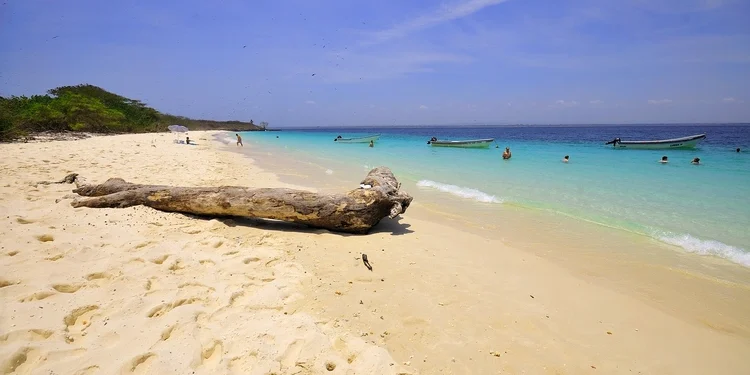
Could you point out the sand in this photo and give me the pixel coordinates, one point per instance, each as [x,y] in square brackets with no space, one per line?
[107,291]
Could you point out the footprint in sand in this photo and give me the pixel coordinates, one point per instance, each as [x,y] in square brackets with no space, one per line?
[55,258]
[167,333]
[160,259]
[21,220]
[211,354]
[98,276]
[27,335]
[38,296]
[21,362]
[4,283]
[177,265]
[45,238]
[67,288]
[12,253]
[90,370]
[77,321]
[140,364]
[167,307]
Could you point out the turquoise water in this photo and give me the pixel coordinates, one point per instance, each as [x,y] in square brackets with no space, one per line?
[703,209]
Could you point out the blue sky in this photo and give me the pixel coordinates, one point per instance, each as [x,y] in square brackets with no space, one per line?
[351,62]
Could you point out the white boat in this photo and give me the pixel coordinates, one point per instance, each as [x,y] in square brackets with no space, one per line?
[471,143]
[367,139]
[684,142]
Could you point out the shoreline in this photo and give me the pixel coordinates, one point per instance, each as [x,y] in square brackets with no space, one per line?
[687,287]
[440,297]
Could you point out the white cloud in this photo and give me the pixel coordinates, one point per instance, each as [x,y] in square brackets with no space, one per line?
[310,102]
[659,101]
[597,101]
[563,104]
[423,107]
[731,100]
[443,14]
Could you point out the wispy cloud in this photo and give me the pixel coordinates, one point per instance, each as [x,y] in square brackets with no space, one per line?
[423,107]
[597,101]
[563,104]
[443,14]
[358,68]
[659,101]
[310,102]
[731,100]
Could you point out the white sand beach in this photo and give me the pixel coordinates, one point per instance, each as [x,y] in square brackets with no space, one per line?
[135,290]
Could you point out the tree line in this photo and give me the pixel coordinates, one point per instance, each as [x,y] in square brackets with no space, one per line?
[88,108]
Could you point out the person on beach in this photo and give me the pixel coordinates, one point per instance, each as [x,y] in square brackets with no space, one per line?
[187,140]
[664,160]
[696,161]
[506,153]
[239,140]
[566,159]
[372,144]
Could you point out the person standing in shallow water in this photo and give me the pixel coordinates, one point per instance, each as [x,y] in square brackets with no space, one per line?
[566,159]
[372,143]
[664,160]
[506,153]
[239,140]
[696,161]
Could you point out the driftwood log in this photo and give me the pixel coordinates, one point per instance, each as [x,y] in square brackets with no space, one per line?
[354,212]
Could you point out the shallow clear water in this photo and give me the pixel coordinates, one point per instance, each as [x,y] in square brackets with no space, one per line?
[704,208]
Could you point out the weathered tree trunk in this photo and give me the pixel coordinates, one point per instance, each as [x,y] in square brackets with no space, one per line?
[354,212]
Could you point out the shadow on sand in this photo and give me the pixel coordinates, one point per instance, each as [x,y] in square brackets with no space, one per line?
[393,226]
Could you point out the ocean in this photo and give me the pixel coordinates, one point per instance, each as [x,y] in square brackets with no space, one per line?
[703,209]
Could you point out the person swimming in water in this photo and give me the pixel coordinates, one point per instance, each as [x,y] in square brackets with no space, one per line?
[664,160]
[506,153]
[566,159]
[372,143]
[738,149]
[696,161]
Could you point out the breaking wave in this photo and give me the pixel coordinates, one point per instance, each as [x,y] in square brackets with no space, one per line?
[459,191]
[708,247]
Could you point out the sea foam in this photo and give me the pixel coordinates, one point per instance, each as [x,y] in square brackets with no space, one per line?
[459,191]
[708,247]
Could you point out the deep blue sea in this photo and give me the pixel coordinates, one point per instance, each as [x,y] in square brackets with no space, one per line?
[702,208]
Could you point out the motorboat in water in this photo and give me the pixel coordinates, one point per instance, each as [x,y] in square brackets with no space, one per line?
[684,142]
[470,143]
[366,139]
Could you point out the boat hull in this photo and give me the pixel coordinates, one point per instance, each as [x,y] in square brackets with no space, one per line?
[474,143]
[677,143]
[358,140]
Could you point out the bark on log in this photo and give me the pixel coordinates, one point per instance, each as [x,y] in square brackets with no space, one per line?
[354,212]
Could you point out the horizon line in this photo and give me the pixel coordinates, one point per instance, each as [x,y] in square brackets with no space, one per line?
[520,125]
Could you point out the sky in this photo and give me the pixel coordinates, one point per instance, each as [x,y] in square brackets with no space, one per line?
[386,62]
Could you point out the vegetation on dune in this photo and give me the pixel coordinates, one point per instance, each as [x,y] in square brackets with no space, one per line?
[88,108]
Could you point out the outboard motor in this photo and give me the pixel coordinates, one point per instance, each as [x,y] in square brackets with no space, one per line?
[613,142]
